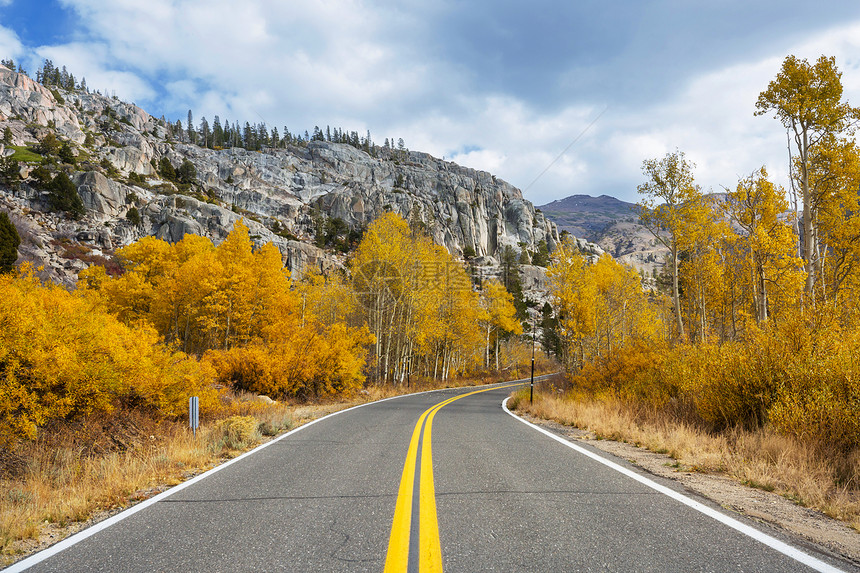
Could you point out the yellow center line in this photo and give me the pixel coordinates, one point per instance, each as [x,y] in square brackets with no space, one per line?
[430,552]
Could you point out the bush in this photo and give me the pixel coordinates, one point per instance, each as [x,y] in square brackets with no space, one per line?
[62,356]
[801,377]
[238,432]
[133,216]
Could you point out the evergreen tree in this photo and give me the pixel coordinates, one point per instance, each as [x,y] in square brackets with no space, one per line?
[186,173]
[190,126]
[248,136]
[64,196]
[541,257]
[217,132]
[66,154]
[133,216]
[9,241]
[9,171]
[166,169]
[205,133]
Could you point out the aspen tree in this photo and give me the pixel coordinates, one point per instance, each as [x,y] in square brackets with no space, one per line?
[807,99]
[672,200]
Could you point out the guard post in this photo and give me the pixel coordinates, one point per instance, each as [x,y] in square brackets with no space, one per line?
[194,413]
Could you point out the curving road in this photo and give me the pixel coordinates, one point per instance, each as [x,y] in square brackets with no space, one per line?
[443,480]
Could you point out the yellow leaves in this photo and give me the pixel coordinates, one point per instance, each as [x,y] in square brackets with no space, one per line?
[236,303]
[806,96]
[416,299]
[63,356]
[601,307]
[498,309]
[310,362]
[199,296]
[765,249]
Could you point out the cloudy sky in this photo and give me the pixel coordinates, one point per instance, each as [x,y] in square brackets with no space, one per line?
[557,98]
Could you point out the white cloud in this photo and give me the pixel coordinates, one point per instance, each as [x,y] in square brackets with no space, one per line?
[10,45]
[93,62]
[354,65]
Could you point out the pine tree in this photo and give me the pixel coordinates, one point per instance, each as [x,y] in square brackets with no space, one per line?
[205,133]
[190,127]
[64,196]
[9,241]
[217,132]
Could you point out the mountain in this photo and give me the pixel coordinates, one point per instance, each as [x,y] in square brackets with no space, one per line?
[295,196]
[610,223]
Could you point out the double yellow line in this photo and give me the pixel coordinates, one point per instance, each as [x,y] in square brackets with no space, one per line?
[406,550]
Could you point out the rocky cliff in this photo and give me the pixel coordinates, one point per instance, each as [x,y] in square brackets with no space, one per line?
[281,193]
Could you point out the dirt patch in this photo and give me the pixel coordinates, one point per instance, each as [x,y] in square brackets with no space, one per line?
[807,524]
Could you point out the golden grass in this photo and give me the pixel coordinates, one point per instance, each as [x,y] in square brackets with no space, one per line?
[807,473]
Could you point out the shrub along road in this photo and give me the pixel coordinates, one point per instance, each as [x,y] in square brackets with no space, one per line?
[495,495]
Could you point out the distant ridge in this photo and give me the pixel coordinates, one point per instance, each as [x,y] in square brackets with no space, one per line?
[587,217]
[611,223]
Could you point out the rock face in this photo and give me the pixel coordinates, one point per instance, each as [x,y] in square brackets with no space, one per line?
[280,193]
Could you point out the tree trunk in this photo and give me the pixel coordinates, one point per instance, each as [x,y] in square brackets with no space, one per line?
[676,294]
[808,223]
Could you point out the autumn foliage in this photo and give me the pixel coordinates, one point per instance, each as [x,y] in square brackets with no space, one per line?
[64,356]
[235,307]
[754,323]
[193,318]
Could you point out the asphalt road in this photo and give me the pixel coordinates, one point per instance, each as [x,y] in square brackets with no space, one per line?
[507,498]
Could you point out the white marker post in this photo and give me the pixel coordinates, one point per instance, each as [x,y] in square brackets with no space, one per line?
[194,413]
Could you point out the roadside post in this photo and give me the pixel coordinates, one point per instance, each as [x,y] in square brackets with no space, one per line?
[532,386]
[194,413]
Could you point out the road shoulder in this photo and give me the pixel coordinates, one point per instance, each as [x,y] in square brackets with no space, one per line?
[807,526]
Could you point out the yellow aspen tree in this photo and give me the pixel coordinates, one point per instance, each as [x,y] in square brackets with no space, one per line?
[498,317]
[834,175]
[671,200]
[701,234]
[575,300]
[756,207]
[807,98]
[380,268]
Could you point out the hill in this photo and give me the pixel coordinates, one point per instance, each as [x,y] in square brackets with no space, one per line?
[610,223]
[138,175]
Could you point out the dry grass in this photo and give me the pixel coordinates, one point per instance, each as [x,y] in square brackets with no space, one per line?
[807,473]
[76,471]
[72,476]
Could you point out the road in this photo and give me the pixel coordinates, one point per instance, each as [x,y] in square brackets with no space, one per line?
[362,491]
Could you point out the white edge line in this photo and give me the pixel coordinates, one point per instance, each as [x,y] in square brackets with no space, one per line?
[92,530]
[771,542]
